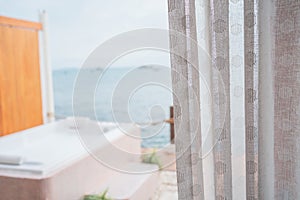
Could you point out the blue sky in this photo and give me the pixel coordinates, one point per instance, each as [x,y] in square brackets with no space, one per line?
[77,27]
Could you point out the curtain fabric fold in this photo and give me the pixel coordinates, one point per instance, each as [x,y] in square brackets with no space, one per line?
[251,57]
[219,15]
[286,66]
[271,45]
[185,81]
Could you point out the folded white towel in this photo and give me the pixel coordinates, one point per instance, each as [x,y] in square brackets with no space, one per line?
[11,160]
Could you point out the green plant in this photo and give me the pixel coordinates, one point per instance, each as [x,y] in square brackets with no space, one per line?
[97,196]
[151,158]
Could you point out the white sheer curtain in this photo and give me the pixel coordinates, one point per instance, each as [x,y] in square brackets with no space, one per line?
[236,83]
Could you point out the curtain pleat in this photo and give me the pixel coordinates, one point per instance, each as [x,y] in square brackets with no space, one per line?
[286,68]
[203,32]
[221,98]
[266,101]
[186,95]
[251,93]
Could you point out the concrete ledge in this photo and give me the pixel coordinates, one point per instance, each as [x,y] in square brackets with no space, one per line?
[125,186]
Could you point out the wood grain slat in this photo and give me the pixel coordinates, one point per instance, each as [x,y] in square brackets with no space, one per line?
[20,86]
[18,23]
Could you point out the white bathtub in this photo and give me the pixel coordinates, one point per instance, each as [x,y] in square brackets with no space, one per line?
[57,166]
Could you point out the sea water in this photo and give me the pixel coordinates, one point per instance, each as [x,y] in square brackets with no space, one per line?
[121,95]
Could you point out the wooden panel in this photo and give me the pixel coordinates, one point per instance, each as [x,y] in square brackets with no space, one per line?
[20,88]
[7,21]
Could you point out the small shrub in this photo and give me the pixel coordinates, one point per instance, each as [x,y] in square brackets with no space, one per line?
[97,197]
[151,159]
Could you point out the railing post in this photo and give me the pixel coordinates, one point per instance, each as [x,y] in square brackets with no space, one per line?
[172,131]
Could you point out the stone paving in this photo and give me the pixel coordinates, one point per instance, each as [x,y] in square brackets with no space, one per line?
[167,183]
[167,189]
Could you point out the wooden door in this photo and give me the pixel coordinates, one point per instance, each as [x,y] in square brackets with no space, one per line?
[20,85]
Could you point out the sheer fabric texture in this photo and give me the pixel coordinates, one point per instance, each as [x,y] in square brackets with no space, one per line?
[236,76]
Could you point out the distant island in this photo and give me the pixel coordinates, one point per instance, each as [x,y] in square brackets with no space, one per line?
[151,67]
